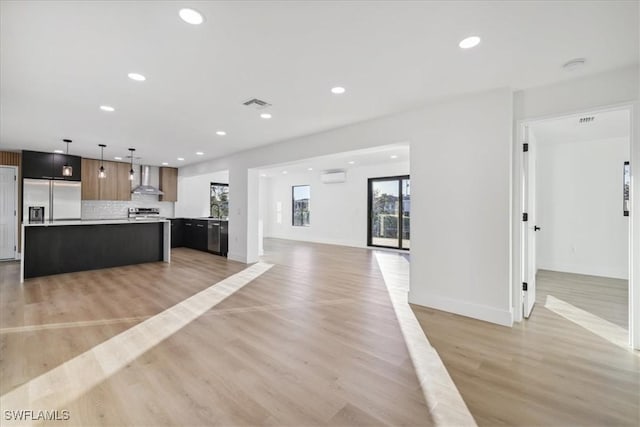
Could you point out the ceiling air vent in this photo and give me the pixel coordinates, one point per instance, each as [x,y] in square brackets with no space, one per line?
[256,103]
[584,120]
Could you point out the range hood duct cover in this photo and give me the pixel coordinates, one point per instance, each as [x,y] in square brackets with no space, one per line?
[145,187]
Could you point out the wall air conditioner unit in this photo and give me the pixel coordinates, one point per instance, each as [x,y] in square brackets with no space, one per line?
[333,177]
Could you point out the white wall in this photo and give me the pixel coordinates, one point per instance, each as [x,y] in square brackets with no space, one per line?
[194,193]
[578,94]
[338,211]
[579,208]
[460,172]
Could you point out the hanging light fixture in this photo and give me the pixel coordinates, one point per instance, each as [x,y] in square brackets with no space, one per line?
[101,172]
[131,170]
[67,170]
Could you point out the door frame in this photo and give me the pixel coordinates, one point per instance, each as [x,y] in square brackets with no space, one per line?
[399,178]
[17,209]
[634,214]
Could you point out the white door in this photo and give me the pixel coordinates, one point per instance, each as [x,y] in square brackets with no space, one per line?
[529,227]
[8,212]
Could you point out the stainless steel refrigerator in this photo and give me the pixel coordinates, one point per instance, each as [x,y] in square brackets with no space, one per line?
[61,200]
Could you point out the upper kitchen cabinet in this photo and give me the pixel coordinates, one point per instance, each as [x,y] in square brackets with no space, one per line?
[90,180]
[60,160]
[109,184]
[124,183]
[115,186]
[39,165]
[169,184]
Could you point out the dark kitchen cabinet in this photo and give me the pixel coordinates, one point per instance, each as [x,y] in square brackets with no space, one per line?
[60,160]
[188,233]
[224,238]
[200,235]
[194,234]
[177,233]
[39,165]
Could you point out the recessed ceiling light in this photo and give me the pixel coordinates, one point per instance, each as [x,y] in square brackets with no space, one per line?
[338,90]
[221,133]
[191,16]
[117,158]
[199,153]
[181,159]
[58,151]
[263,175]
[165,164]
[137,77]
[107,108]
[469,42]
[574,64]
[393,156]
[352,162]
[265,115]
[309,169]
[284,172]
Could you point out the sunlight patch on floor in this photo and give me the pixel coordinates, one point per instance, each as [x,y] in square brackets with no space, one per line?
[65,325]
[442,396]
[67,382]
[597,325]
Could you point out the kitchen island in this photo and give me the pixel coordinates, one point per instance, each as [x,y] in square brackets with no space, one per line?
[67,246]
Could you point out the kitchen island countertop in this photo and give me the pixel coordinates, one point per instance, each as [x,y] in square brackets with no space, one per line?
[94,222]
[55,247]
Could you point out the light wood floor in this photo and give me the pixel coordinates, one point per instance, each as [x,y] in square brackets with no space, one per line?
[312,341]
[547,370]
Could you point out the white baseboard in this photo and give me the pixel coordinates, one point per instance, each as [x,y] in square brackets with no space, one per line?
[321,241]
[585,270]
[464,308]
[237,257]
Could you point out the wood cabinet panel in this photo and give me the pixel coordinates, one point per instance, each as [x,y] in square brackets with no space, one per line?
[169,184]
[124,183]
[109,184]
[115,186]
[90,180]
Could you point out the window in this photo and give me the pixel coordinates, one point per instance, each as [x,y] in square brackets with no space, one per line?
[389,212]
[300,206]
[219,201]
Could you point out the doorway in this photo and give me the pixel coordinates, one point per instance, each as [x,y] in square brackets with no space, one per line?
[575,225]
[8,212]
[389,212]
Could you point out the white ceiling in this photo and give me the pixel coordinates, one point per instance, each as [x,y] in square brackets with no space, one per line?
[341,161]
[61,60]
[605,125]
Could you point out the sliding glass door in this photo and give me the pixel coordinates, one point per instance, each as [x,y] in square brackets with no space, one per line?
[389,211]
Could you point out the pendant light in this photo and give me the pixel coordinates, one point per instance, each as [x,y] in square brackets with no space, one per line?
[131,170]
[101,172]
[67,170]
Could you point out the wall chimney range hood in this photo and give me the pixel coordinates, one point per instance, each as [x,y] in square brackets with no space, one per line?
[145,187]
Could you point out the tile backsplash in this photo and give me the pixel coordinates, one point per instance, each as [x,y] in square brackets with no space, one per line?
[103,209]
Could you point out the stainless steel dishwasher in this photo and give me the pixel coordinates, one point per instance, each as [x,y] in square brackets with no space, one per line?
[213,240]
